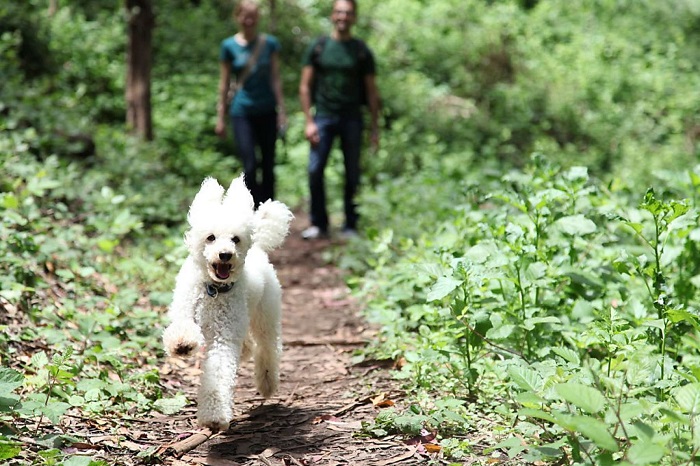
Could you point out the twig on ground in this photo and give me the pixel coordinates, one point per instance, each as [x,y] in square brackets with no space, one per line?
[397,459]
[290,398]
[190,443]
[325,342]
[346,409]
[293,460]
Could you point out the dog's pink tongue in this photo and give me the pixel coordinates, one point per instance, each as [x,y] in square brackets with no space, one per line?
[222,271]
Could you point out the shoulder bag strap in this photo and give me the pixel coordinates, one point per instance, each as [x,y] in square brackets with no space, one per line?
[252,60]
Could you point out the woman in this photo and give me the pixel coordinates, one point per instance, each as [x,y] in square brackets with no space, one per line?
[257,108]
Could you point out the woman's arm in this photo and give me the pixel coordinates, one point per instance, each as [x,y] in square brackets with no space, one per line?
[277,89]
[224,83]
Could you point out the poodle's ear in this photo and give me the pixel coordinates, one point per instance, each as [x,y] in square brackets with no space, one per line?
[238,195]
[210,194]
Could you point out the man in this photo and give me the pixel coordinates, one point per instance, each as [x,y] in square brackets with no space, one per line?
[338,72]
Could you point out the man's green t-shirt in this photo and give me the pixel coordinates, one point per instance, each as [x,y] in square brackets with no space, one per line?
[338,73]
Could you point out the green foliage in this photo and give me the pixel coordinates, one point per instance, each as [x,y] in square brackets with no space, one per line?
[558,303]
[23,22]
[66,221]
[548,279]
[496,81]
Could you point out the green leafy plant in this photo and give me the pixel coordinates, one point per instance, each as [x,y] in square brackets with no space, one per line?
[540,283]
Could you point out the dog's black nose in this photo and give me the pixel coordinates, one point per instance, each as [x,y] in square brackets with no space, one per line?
[225,256]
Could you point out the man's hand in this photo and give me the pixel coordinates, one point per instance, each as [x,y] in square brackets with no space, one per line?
[311,133]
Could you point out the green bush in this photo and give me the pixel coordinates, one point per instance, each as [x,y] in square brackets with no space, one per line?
[551,291]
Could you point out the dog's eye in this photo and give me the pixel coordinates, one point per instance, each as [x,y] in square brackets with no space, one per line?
[211,238]
[236,240]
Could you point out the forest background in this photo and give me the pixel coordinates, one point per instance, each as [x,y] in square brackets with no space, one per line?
[530,251]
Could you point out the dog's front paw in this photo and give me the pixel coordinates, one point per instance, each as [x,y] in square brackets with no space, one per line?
[215,425]
[184,349]
[213,417]
[182,339]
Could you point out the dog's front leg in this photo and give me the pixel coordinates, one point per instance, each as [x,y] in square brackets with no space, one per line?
[219,371]
[183,336]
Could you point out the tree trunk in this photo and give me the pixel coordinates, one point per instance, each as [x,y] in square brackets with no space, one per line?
[138,67]
[53,7]
[273,16]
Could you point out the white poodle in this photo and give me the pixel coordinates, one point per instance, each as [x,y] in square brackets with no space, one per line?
[227,296]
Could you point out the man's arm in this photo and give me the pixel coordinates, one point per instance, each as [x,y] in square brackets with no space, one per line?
[307,77]
[373,102]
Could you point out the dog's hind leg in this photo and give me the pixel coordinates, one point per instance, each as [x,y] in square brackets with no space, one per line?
[248,346]
[266,329]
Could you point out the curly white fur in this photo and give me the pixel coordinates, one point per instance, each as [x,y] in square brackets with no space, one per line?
[227,296]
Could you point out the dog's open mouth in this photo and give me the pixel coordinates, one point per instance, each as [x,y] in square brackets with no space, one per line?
[221,270]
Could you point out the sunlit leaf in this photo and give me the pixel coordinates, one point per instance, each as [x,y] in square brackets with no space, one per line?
[537,414]
[631,410]
[170,405]
[442,287]
[582,396]
[688,398]
[526,378]
[529,399]
[568,354]
[9,201]
[107,245]
[576,173]
[637,227]
[645,452]
[53,410]
[78,460]
[39,360]
[535,271]
[593,429]
[501,332]
[682,315]
[531,322]
[9,380]
[9,450]
[576,225]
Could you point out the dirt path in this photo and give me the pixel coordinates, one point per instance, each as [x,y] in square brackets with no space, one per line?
[315,417]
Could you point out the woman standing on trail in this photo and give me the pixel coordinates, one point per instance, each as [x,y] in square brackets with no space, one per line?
[257,107]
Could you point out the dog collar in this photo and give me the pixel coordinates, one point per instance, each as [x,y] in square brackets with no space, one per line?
[213,289]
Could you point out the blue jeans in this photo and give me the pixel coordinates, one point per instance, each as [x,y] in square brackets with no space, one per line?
[257,130]
[349,129]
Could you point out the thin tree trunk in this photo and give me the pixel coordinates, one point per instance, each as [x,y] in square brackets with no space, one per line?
[53,7]
[273,16]
[141,22]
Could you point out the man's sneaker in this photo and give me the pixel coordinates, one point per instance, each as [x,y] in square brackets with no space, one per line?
[314,232]
[348,233]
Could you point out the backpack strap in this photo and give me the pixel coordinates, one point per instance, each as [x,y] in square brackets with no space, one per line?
[362,51]
[317,50]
